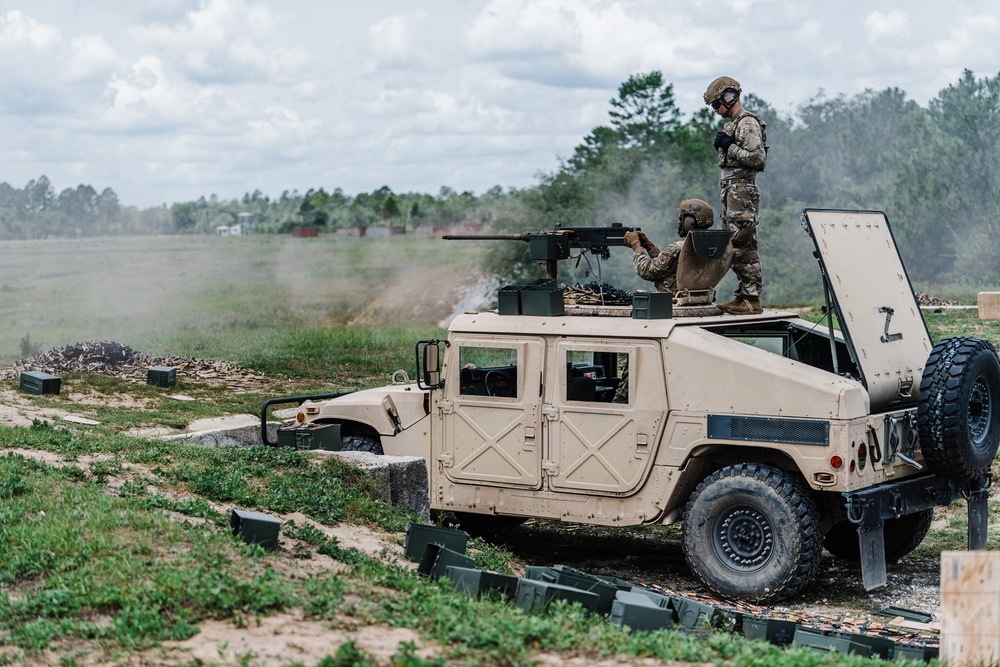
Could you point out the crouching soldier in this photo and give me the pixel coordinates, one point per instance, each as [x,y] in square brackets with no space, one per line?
[660,267]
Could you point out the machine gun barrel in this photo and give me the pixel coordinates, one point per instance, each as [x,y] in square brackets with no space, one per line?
[488,237]
[552,245]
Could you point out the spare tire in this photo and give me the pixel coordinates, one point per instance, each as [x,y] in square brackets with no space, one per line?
[958,418]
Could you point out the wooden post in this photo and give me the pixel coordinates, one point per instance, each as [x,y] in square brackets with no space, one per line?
[970,608]
[989,305]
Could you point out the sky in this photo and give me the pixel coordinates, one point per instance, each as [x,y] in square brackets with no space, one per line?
[169,100]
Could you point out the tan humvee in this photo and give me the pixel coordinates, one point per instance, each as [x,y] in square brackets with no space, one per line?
[769,436]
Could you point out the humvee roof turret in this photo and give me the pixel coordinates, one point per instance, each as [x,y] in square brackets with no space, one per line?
[767,435]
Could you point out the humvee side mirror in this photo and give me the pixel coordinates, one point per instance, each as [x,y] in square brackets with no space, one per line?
[429,359]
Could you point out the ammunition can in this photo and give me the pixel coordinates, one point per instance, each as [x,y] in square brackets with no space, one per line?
[37,382]
[652,305]
[255,528]
[161,376]
[419,535]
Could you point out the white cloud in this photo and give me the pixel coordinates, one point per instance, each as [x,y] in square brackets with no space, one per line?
[147,100]
[392,43]
[279,127]
[20,31]
[90,57]
[190,97]
[524,28]
[892,24]
[225,40]
[972,38]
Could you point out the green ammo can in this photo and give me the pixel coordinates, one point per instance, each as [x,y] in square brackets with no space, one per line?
[255,528]
[161,376]
[640,612]
[477,582]
[37,382]
[535,595]
[652,305]
[437,559]
[419,535]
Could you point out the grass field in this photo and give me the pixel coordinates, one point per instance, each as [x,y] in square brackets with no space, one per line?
[221,297]
[113,547]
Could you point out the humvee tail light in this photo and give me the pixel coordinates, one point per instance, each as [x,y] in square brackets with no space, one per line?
[301,417]
[825,478]
[312,410]
[862,455]
[836,462]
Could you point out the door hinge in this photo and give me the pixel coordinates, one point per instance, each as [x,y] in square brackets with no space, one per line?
[550,468]
[446,459]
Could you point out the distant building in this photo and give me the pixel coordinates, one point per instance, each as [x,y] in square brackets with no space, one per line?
[382,232]
[239,229]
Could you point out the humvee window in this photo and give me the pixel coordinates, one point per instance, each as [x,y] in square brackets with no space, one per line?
[594,376]
[488,371]
[775,344]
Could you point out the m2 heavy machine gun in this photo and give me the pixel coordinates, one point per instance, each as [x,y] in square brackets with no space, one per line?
[553,245]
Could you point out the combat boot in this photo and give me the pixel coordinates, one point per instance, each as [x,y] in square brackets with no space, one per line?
[742,305]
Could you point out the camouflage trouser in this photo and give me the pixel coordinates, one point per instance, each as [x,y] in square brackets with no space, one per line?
[740,213]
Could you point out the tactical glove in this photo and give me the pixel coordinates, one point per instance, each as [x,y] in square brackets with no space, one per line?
[723,141]
[631,238]
[648,245]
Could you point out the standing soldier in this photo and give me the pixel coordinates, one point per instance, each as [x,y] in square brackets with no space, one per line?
[742,149]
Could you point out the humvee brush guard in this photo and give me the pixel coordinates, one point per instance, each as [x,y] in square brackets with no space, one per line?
[768,436]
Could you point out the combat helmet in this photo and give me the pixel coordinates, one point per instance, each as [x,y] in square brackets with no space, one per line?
[703,215]
[720,86]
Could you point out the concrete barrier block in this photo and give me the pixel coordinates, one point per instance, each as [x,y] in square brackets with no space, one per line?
[403,479]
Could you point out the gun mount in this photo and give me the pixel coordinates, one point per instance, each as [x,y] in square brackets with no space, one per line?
[551,246]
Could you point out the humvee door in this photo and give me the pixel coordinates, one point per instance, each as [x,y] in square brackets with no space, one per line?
[873,298]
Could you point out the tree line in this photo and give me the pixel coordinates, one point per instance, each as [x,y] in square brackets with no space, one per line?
[934,169]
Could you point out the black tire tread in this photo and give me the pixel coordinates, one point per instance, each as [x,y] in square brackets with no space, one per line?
[359,443]
[940,420]
[807,520]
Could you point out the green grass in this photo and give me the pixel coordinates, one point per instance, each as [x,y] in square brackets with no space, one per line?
[222,297]
[80,565]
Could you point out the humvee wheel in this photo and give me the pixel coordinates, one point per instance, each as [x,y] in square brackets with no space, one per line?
[359,443]
[751,531]
[901,536]
[958,418]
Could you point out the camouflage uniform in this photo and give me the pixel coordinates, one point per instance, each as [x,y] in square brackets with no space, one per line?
[741,198]
[661,271]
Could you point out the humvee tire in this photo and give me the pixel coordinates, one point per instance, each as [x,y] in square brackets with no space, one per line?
[958,417]
[752,531]
[901,536]
[359,443]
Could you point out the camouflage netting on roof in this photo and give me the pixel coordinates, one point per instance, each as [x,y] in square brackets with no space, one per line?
[121,361]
